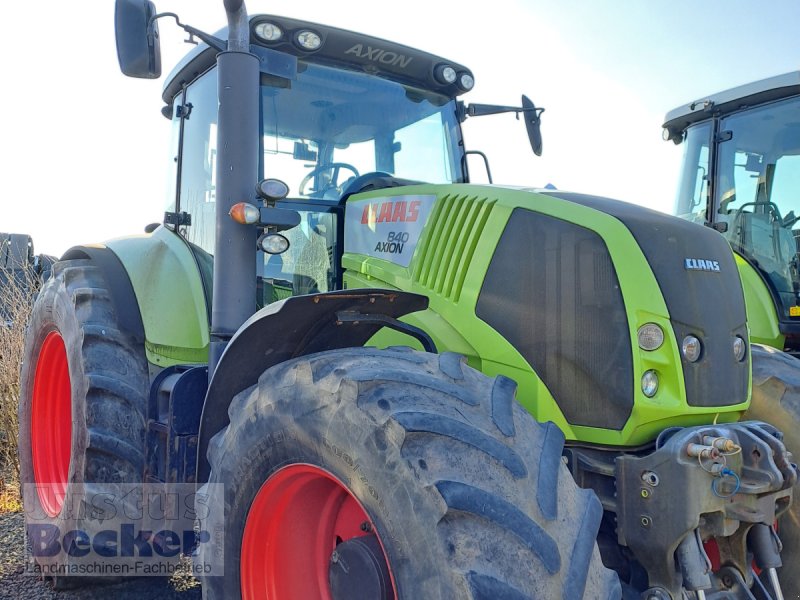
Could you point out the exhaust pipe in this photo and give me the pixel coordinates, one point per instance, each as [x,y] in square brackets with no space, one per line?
[234,294]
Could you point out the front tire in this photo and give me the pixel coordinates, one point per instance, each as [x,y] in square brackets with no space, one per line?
[776,400]
[432,467]
[83,397]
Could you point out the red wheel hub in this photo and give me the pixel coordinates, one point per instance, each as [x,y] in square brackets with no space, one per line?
[297,518]
[51,424]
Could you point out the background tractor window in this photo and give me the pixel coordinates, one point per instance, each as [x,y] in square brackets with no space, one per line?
[758,192]
[692,198]
[786,184]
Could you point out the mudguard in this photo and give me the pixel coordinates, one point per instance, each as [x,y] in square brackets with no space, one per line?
[287,329]
[169,287]
[123,296]
[762,317]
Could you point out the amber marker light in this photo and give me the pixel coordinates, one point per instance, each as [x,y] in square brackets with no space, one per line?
[245,213]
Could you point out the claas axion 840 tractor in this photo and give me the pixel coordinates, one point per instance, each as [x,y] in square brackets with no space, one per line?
[741,176]
[399,384]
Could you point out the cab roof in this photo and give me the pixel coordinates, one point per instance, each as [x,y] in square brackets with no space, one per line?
[732,100]
[340,48]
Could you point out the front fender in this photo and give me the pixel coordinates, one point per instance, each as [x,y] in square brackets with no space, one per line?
[287,329]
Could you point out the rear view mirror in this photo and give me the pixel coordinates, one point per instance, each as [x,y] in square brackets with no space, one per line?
[532,124]
[138,49]
[531,114]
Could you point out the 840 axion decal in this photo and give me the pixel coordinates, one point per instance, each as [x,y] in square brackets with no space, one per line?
[387,228]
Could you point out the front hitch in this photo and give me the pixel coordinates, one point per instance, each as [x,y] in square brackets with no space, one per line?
[709,490]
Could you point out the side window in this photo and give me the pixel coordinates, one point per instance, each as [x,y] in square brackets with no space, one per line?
[198,168]
[786,185]
[427,161]
[172,173]
[307,266]
[692,196]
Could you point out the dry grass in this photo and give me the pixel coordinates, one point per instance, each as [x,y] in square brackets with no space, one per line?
[17,291]
[10,499]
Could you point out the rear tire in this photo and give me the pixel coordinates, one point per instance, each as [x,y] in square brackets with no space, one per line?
[83,396]
[776,400]
[465,491]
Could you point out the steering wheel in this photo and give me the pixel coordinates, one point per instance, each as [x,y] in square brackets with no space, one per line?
[365,182]
[331,183]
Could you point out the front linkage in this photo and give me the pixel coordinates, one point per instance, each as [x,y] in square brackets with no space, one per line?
[696,512]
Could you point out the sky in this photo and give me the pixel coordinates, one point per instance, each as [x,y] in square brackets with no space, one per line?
[86,149]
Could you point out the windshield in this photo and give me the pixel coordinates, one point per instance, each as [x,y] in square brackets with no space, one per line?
[328,126]
[319,132]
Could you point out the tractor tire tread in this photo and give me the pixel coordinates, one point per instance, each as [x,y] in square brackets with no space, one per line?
[475,454]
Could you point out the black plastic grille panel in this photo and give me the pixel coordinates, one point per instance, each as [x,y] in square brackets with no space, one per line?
[552,291]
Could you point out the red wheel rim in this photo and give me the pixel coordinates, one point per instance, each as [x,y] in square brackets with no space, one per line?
[296,520]
[51,424]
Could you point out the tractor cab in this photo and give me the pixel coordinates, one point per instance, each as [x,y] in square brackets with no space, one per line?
[741,176]
[339,113]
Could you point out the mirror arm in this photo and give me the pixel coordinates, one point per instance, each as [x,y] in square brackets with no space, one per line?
[212,41]
[480,110]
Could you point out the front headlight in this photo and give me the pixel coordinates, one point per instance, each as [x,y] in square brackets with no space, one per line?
[650,336]
[650,383]
[739,348]
[691,348]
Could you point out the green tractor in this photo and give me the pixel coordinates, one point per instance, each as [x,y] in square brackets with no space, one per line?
[389,382]
[741,176]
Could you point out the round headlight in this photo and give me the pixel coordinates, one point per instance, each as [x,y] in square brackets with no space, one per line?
[269,32]
[466,82]
[650,383]
[739,348]
[650,336]
[691,348]
[308,40]
[273,243]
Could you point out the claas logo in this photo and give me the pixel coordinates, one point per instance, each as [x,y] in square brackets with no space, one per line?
[399,211]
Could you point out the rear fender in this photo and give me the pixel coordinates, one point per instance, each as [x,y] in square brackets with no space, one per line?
[169,287]
[287,329]
[119,285]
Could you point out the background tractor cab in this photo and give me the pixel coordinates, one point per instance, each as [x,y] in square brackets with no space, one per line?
[741,175]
